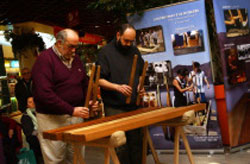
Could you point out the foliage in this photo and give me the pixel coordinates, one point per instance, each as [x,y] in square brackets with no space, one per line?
[88,55]
[24,41]
[122,7]
[87,52]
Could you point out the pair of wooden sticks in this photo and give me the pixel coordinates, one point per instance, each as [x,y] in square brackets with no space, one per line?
[93,87]
[141,80]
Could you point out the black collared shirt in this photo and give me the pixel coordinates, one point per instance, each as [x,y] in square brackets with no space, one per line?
[116,66]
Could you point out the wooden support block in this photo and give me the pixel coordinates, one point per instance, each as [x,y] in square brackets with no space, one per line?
[117,139]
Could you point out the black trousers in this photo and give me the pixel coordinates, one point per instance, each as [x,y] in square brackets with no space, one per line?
[131,152]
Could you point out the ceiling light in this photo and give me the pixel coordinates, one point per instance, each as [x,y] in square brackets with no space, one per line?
[97,26]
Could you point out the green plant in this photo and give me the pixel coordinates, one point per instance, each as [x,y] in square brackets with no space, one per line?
[87,52]
[24,41]
[122,7]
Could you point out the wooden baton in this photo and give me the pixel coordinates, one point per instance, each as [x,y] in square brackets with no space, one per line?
[141,83]
[132,76]
[96,84]
[169,104]
[95,88]
[90,86]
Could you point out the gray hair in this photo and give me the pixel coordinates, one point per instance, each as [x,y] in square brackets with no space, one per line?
[61,35]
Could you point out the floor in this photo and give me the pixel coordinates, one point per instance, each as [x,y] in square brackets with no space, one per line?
[95,156]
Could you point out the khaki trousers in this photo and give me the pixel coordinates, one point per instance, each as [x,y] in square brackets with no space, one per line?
[55,152]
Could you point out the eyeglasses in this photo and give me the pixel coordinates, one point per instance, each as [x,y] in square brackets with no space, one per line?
[71,46]
[128,41]
[25,73]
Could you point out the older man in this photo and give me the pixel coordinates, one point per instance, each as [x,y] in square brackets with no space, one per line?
[60,85]
[116,60]
[23,89]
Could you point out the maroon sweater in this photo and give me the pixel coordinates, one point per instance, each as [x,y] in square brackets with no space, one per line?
[57,89]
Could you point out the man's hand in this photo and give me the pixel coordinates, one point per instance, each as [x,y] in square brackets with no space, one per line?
[82,112]
[94,106]
[140,92]
[10,133]
[124,89]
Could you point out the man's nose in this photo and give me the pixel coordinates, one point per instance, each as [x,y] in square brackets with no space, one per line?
[128,44]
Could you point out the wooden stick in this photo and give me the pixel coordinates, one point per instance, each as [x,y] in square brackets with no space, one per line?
[96,84]
[132,77]
[90,86]
[141,84]
[95,88]
[169,104]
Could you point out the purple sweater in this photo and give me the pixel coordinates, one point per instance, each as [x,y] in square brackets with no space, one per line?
[57,89]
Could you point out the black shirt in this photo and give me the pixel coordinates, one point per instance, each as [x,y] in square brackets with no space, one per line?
[23,90]
[116,65]
[180,98]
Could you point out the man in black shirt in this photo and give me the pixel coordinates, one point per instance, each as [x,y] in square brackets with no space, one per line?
[116,60]
[23,89]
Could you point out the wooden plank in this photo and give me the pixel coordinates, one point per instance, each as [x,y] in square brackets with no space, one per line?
[56,134]
[94,132]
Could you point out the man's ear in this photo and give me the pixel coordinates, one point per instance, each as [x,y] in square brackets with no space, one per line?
[118,35]
[59,43]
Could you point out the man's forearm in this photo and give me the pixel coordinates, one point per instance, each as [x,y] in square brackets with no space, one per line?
[107,85]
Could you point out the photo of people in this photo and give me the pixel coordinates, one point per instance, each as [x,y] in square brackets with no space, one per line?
[235,68]
[187,42]
[243,51]
[149,99]
[150,40]
[236,21]
[156,74]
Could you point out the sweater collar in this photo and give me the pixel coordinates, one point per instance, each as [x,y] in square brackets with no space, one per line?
[67,63]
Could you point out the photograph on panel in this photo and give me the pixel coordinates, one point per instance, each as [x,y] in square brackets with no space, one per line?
[149,99]
[150,40]
[243,51]
[235,68]
[188,42]
[158,74]
[236,22]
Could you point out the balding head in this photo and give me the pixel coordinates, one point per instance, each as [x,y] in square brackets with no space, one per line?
[64,34]
[126,36]
[66,42]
